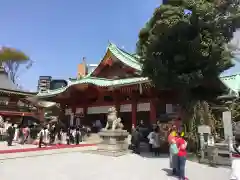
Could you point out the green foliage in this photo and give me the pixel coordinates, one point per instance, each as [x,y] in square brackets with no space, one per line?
[181,50]
[235,110]
[12,59]
[10,54]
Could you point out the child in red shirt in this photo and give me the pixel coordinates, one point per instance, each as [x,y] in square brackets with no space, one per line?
[182,156]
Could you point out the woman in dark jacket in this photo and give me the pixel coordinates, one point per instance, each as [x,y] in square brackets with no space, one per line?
[135,141]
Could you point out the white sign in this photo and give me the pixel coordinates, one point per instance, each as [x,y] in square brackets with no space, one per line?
[126,108]
[79,111]
[227,124]
[204,129]
[98,110]
[211,141]
[169,108]
[143,107]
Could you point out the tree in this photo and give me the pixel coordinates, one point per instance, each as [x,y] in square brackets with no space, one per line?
[180,49]
[12,59]
[184,44]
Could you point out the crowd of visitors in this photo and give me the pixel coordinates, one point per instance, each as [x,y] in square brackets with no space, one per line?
[177,145]
[42,134]
[54,134]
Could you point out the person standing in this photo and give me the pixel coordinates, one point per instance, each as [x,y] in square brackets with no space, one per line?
[173,150]
[71,135]
[68,136]
[151,140]
[135,141]
[43,137]
[98,125]
[21,135]
[182,155]
[16,133]
[52,132]
[156,142]
[10,134]
[26,132]
[60,136]
[77,136]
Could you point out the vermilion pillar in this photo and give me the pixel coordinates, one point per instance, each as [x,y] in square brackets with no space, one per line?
[41,114]
[134,113]
[153,112]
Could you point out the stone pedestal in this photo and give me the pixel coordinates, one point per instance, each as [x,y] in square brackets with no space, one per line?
[114,142]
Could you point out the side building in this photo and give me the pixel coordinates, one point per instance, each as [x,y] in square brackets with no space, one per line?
[44,83]
[14,104]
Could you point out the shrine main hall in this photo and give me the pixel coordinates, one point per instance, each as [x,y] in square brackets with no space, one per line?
[116,81]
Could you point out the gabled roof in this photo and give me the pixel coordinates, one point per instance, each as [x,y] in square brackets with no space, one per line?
[126,58]
[8,87]
[123,56]
[102,82]
[5,82]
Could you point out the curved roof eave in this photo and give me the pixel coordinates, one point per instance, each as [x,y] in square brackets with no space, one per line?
[98,82]
[124,57]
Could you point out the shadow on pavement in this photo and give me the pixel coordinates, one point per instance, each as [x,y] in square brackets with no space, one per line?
[168,171]
[151,155]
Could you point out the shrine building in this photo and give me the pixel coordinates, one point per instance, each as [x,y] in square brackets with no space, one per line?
[15,106]
[116,81]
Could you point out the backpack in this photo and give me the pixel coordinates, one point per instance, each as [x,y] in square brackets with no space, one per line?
[173,149]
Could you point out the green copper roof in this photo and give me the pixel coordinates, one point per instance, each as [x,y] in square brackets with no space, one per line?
[102,82]
[125,57]
[232,82]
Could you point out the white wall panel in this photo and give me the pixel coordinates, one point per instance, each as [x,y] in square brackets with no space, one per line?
[98,110]
[126,108]
[143,107]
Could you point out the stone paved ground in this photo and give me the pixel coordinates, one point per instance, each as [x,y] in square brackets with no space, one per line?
[83,166]
[3,146]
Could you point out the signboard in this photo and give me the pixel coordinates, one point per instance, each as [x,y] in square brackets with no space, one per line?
[172,108]
[204,129]
[79,110]
[68,111]
[169,108]
[126,108]
[98,110]
[143,107]
[227,124]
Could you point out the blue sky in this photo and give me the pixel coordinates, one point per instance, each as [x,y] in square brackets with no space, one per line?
[56,34]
